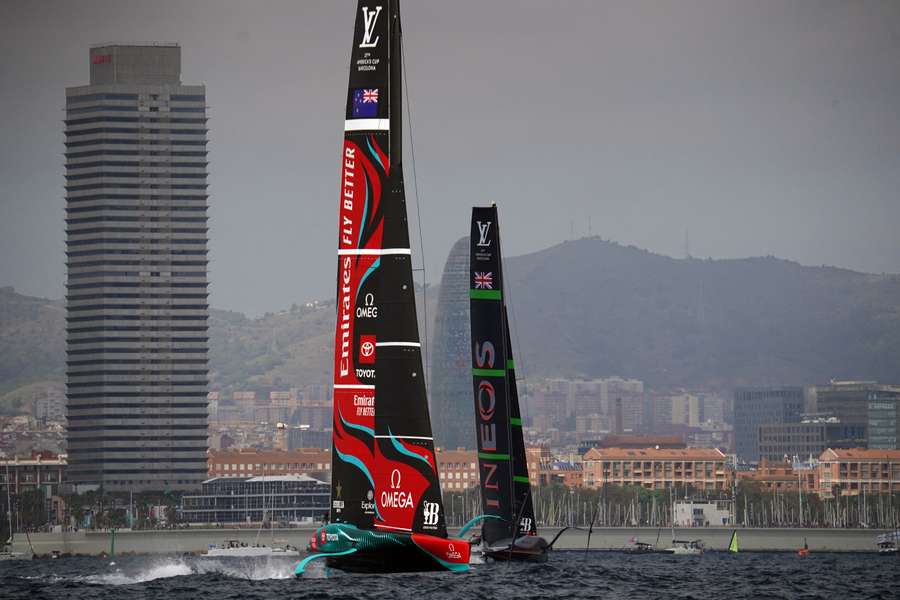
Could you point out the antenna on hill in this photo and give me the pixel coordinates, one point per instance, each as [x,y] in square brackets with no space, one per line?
[687,243]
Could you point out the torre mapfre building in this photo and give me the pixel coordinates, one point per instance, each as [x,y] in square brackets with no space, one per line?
[136,255]
[450,388]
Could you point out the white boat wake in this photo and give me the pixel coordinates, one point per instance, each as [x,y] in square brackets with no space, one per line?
[255,570]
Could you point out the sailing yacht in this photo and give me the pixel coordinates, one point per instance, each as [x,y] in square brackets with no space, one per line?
[508,530]
[386,509]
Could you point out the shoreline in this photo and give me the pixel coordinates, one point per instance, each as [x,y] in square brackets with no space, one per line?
[603,539]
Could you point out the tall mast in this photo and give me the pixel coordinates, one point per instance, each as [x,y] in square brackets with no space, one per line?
[384,473]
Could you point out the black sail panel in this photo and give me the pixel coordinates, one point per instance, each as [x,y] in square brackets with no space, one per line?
[365,173]
[408,494]
[523,502]
[490,385]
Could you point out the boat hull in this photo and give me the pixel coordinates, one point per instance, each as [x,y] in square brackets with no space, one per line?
[348,548]
[529,548]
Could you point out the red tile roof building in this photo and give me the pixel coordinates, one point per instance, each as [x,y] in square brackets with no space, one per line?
[854,470]
[249,462]
[655,469]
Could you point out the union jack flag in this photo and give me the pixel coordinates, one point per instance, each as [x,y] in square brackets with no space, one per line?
[370,95]
[484,281]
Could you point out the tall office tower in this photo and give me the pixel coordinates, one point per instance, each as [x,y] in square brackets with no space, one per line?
[762,406]
[873,405]
[136,250]
[450,388]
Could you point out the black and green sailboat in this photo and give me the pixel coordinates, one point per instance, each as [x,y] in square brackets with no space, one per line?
[509,530]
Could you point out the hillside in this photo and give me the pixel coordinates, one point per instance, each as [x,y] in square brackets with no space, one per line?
[581,308]
[32,340]
[591,307]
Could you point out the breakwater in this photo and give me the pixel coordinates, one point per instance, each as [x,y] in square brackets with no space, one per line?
[196,540]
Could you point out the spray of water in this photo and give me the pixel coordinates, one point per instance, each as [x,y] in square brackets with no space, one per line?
[255,570]
[160,570]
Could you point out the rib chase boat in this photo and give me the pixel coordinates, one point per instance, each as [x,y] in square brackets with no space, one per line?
[508,530]
[386,509]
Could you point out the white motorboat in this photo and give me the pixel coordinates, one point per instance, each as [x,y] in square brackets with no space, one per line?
[237,549]
[688,547]
[888,543]
[7,554]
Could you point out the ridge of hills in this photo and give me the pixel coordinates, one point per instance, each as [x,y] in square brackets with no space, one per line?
[582,308]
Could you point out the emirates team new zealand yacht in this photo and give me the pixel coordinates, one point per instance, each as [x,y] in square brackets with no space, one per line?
[508,530]
[386,509]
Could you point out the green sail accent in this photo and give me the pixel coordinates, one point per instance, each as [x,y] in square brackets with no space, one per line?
[521,479]
[488,372]
[733,546]
[510,364]
[493,456]
[515,421]
[485,294]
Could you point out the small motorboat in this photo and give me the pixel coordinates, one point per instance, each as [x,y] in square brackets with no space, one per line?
[804,551]
[237,549]
[687,547]
[637,547]
[887,543]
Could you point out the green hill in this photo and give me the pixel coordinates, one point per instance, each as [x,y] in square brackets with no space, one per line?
[591,307]
[581,308]
[32,340]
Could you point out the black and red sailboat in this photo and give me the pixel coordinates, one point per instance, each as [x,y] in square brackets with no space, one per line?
[508,530]
[386,508]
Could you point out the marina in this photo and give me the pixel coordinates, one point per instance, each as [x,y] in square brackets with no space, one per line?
[196,541]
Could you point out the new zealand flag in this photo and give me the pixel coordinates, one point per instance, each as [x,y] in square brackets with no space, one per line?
[365,103]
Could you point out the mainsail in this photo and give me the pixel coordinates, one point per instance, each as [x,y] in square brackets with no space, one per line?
[384,473]
[505,490]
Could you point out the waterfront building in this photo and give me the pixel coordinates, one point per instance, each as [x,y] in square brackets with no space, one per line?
[763,406]
[656,468]
[250,462]
[458,469]
[873,405]
[569,474]
[856,470]
[49,405]
[687,409]
[450,376]
[781,477]
[136,248]
[808,438]
[884,418]
[41,473]
[278,499]
[703,514]
[642,441]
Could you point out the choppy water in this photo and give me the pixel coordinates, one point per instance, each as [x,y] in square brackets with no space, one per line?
[568,574]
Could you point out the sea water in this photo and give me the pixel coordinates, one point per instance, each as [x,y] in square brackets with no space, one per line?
[568,574]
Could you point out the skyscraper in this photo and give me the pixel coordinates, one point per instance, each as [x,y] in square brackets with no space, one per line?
[452,404]
[136,251]
[762,406]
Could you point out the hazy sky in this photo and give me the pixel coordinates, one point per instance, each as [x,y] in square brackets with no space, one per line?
[760,127]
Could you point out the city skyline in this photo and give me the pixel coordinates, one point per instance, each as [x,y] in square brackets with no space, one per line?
[756,131]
